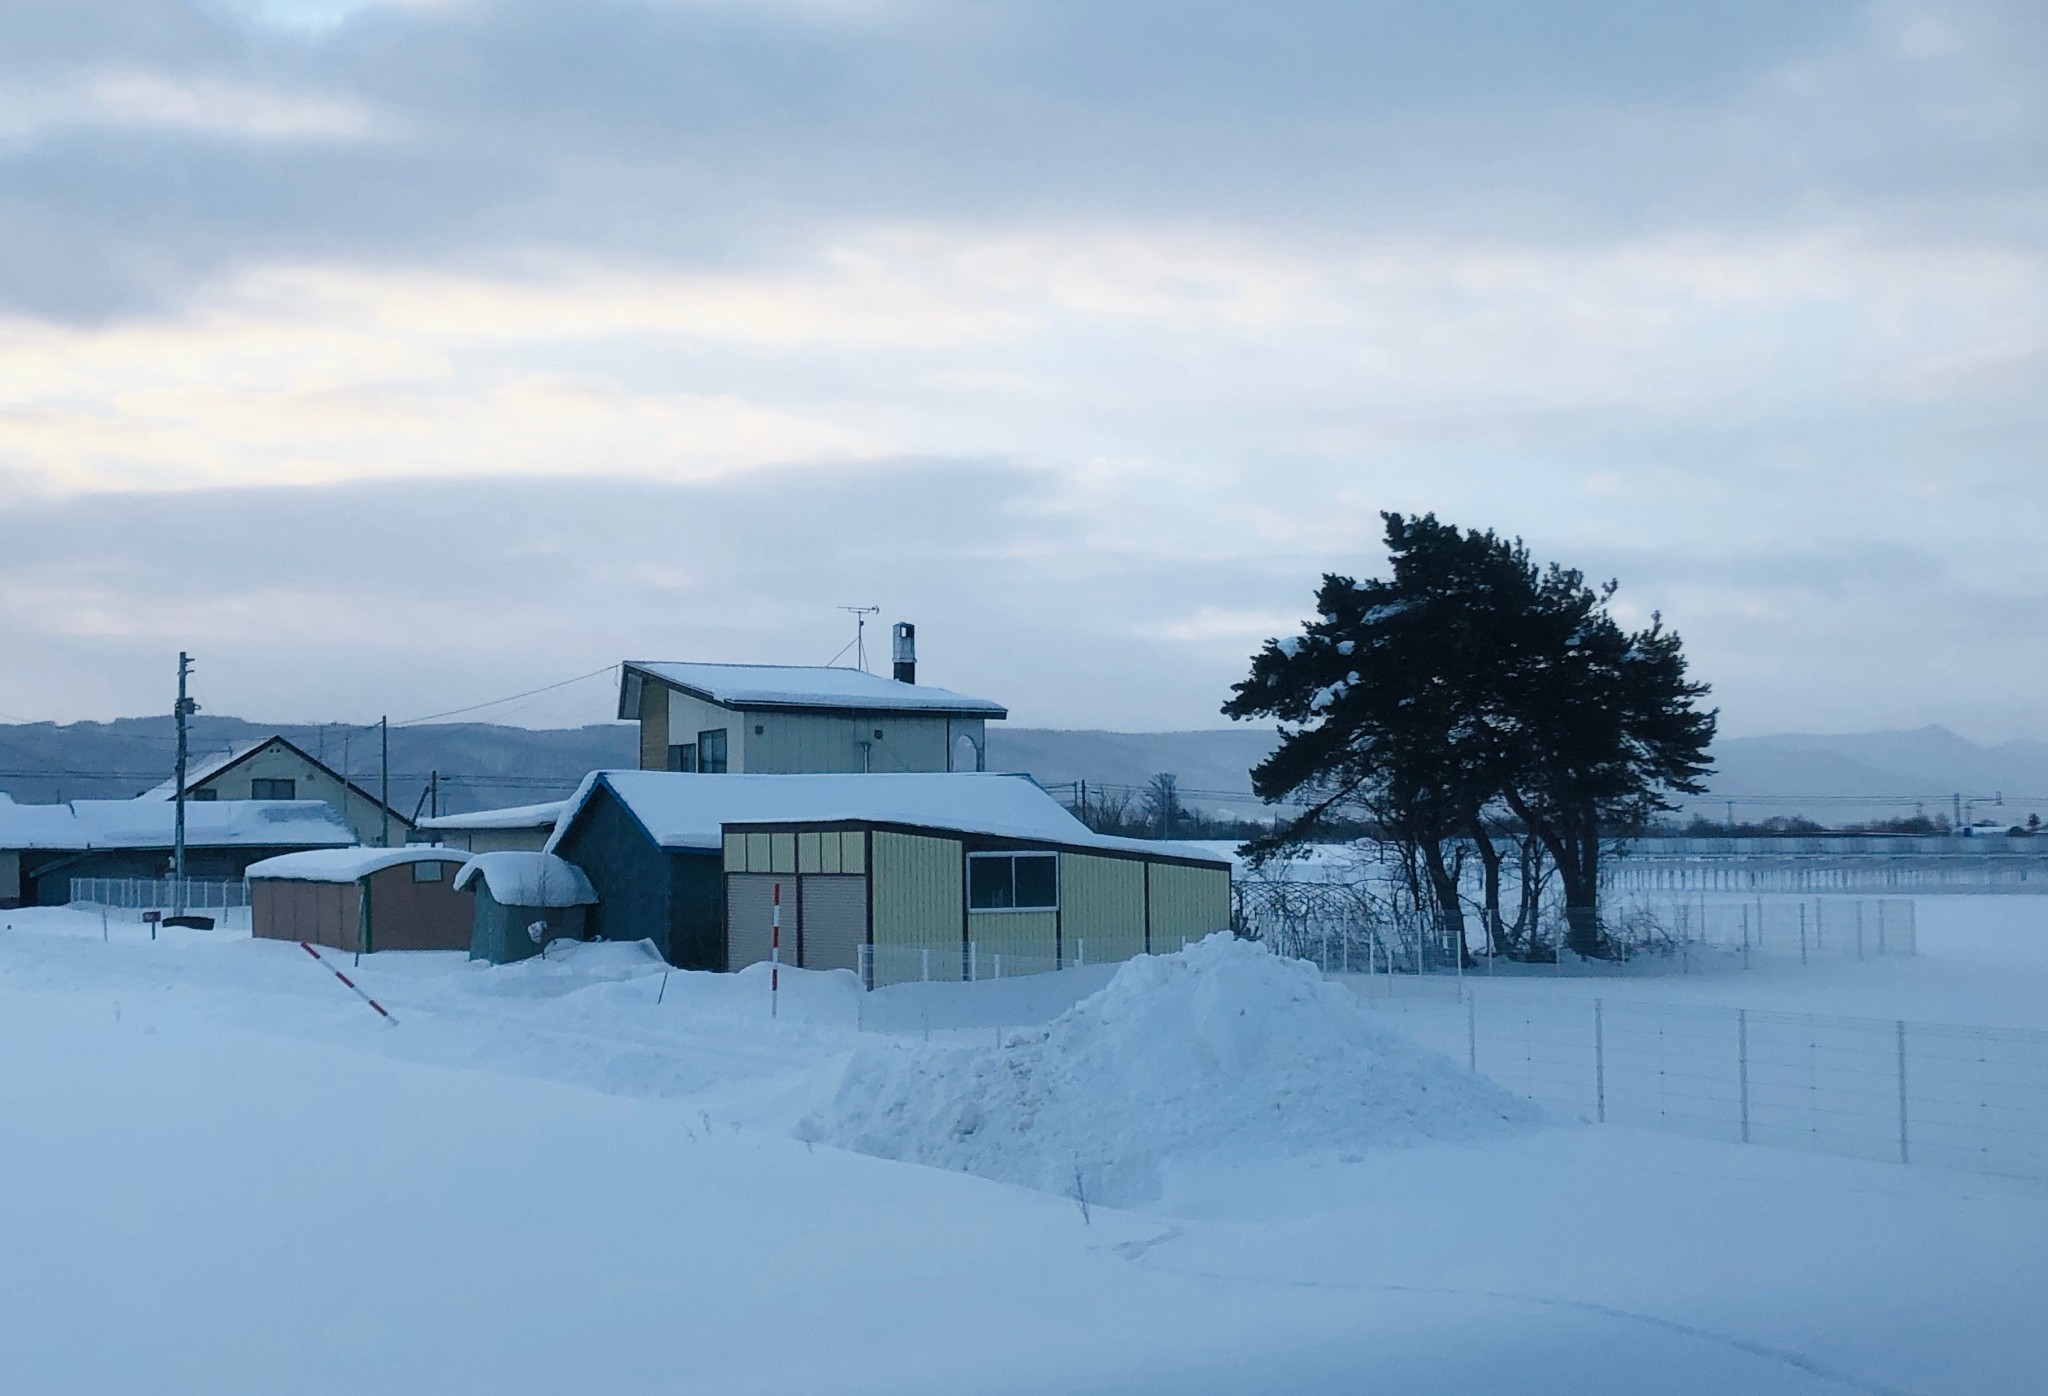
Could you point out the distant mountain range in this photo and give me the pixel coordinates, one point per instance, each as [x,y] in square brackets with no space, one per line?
[1830,779]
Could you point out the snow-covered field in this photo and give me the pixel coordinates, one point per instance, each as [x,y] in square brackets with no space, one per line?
[221,1172]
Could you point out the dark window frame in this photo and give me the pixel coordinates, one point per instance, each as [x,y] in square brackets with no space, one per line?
[989,889]
[712,752]
[266,788]
[682,756]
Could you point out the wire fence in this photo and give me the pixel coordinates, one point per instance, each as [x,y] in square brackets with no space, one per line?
[1890,1090]
[140,894]
[1344,928]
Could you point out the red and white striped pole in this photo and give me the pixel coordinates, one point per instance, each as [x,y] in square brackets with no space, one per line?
[353,986]
[775,950]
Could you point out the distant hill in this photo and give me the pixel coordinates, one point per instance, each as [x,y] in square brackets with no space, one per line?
[1831,779]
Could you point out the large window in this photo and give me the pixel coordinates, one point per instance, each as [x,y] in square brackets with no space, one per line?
[273,789]
[711,752]
[1013,881]
[683,757]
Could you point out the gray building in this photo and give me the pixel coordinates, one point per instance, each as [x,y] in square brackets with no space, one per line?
[777,719]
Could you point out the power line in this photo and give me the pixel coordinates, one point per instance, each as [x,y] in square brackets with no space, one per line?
[511,698]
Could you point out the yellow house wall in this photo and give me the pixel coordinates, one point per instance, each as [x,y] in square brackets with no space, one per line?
[1187,904]
[1102,907]
[1028,941]
[917,882]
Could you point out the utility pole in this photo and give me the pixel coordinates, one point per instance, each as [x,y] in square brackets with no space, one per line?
[384,779]
[434,793]
[186,707]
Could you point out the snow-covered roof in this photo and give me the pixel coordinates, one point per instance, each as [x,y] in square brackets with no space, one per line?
[511,817]
[205,770]
[344,864]
[529,879]
[200,772]
[146,823]
[797,686]
[681,810]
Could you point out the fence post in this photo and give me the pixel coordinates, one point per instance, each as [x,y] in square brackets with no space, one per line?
[1880,930]
[1742,1056]
[1599,1062]
[1859,930]
[927,957]
[999,964]
[1903,1156]
[972,966]
[1802,933]
[1472,1034]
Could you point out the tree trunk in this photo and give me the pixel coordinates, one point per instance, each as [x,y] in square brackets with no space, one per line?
[1443,886]
[1489,877]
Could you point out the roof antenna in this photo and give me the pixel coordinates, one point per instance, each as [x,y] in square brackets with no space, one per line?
[860,633]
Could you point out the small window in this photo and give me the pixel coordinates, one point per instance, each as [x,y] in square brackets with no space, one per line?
[760,729]
[202,796]
[427,872]
[273,789]
[711,752]
[1013,881]
[683,757]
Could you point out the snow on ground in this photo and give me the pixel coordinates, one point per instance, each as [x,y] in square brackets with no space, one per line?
[1222,1047]
[221,1172]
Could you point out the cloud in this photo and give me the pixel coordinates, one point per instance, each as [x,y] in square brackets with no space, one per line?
[617,326]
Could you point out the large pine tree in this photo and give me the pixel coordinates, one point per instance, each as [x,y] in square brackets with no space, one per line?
[1472,680]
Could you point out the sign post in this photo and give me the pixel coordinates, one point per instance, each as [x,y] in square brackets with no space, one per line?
[775,951]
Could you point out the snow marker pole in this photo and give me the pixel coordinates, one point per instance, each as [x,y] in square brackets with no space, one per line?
[775,950]
[382,1012]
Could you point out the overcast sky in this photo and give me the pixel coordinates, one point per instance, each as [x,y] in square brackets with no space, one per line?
[397,356]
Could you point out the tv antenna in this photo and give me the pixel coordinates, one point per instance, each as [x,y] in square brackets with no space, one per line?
[859,646]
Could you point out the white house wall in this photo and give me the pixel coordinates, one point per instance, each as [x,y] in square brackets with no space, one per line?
[310,783]
[777,742]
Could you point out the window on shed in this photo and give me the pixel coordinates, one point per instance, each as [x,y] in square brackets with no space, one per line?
[711,752]
[1013,881]
[683,757]
[202,796]
[427,872]
[261,789]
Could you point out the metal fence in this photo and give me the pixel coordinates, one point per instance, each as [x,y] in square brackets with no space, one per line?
[1961,1097]
[1797,873]
[1341,932]
[140,894]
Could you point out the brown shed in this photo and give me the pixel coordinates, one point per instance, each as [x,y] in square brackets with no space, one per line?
[363,899]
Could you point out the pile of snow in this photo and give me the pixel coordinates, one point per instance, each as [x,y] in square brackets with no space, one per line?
[1223,1048]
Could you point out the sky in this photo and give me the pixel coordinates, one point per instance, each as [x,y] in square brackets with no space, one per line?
[396,357]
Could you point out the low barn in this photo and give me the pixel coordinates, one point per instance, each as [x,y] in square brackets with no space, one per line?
[900,876]
[44,848]
[523,901]
[363,899]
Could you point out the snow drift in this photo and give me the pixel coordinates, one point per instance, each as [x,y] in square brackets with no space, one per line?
[1223,1048]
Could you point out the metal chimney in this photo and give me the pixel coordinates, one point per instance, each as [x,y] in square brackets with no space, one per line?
[905,651]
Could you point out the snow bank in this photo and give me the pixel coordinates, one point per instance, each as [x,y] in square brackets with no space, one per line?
[1221,1048]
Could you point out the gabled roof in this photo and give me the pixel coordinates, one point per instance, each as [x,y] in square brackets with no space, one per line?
[238,752]
[686,811]
[344,864]
[93,824]
[831,689]
[513,817]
